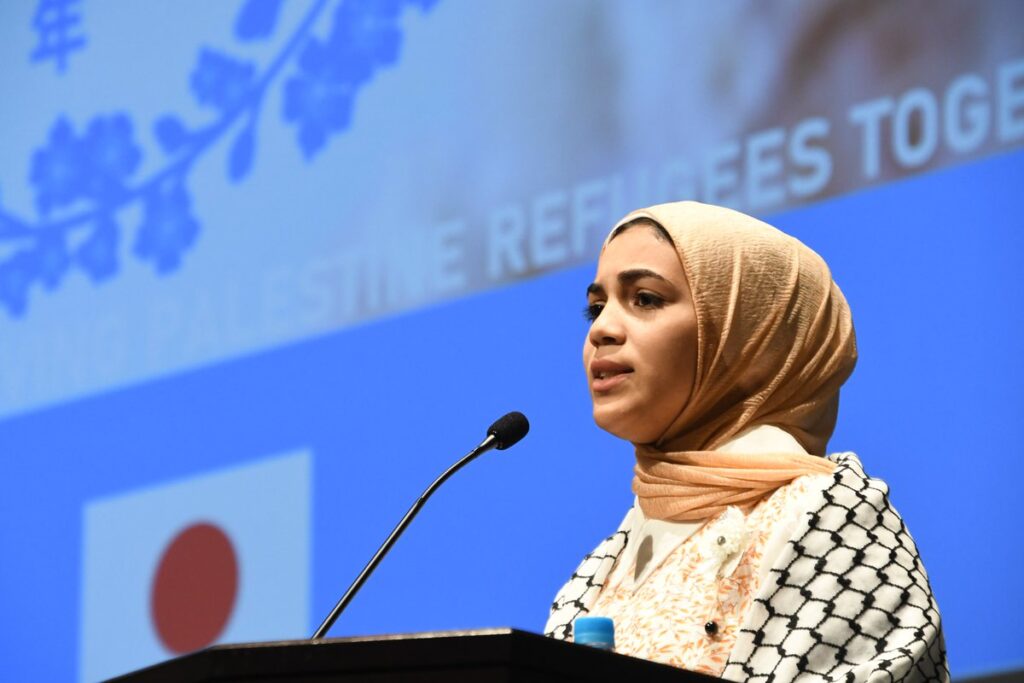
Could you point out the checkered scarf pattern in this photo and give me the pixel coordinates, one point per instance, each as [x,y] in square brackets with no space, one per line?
[847,600]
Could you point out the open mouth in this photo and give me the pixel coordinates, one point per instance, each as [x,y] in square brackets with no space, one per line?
[604,384]
[606,375]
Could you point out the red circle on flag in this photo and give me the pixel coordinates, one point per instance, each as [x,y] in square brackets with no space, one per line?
[194,588]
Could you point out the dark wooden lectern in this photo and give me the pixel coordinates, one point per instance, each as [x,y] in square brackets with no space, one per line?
[456,656]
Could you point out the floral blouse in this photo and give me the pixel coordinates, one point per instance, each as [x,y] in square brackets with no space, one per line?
[685,610]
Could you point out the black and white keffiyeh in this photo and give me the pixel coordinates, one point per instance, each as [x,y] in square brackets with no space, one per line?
[847,600]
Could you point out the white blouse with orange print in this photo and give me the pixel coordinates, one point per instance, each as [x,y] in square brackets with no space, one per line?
[680,590]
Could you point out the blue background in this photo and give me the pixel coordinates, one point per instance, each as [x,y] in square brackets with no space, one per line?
[929,264]
[933,408]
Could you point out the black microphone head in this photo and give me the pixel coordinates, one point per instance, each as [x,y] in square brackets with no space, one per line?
[508,429]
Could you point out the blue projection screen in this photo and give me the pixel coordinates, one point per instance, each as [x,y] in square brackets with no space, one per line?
[267,268]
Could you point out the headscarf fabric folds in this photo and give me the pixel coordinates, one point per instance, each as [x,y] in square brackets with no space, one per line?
[775,343]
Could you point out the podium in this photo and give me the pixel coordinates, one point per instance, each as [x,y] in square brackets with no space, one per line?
[479,656]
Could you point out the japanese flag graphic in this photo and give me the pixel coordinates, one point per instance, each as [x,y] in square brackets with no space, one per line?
[219,557]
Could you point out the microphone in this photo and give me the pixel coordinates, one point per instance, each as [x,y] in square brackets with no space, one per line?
[506,432]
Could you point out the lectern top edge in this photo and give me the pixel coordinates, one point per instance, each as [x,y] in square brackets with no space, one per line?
[496,654]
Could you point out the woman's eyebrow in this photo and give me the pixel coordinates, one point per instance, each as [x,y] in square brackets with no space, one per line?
[626,277]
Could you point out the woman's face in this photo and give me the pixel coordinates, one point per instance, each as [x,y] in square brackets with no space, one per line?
[641,352]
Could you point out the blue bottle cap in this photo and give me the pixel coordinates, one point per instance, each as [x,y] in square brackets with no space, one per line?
[594,631]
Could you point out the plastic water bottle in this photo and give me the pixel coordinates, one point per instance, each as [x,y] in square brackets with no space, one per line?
[596,632]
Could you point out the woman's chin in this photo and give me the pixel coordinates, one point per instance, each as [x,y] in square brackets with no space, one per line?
[616,423]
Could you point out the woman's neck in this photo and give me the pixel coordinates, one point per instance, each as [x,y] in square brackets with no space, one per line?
[762,439]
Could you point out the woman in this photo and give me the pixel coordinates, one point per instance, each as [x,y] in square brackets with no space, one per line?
[717,347]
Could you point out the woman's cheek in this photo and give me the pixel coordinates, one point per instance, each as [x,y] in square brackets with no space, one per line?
[665,395]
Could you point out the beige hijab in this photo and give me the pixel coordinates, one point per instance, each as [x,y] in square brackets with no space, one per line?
[775,342]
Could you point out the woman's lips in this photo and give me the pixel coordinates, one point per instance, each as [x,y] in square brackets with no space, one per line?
[608,383]
[606,375]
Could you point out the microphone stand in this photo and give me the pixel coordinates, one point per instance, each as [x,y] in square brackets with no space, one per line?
[490,442]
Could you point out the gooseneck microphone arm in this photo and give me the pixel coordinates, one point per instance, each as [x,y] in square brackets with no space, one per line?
[383,550]
[505,432]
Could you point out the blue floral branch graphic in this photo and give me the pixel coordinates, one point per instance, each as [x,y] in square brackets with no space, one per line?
[82,180]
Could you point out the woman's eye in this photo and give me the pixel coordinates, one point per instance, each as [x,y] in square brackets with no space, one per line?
[648,300]
[592,311]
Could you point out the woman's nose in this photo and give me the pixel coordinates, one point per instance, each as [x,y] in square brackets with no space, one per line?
[607,328]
